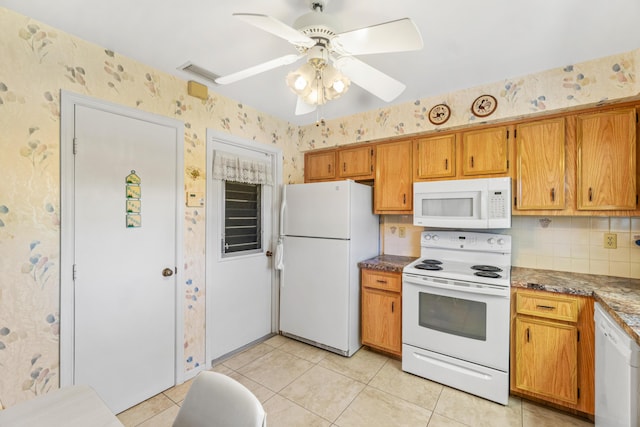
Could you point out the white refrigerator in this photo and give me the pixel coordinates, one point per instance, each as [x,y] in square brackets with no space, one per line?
[327,228]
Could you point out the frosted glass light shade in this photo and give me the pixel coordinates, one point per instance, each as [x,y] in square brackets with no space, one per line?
[317,84]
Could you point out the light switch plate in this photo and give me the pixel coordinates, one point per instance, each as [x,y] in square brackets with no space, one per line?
[195,199]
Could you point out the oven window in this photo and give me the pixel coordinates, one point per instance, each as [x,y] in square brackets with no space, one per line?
[447,207]
[453,316]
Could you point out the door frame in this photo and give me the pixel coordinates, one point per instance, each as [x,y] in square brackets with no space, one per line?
[68,102]
[217,138]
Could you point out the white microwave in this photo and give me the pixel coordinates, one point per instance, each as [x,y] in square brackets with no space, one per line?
[463,203]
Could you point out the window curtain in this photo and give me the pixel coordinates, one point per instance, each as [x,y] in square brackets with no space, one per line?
[231,167]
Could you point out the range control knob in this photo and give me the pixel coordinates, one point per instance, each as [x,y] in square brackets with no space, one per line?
[501,241]
[435,237]
[491,241]
[427,237]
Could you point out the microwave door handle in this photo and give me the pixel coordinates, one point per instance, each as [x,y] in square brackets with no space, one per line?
[484,210]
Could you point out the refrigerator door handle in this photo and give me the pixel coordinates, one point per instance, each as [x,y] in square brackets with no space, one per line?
[283,205]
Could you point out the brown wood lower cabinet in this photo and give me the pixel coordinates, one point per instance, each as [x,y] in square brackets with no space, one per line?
[381,295]
[552,349]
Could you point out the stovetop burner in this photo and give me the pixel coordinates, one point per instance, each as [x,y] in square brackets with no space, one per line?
[486,268]
[431,267]
[490,274]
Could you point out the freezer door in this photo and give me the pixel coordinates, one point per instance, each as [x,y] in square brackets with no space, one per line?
[318,209]
[314,296]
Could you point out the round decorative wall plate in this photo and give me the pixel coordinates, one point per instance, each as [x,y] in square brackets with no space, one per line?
[484,105]
[439,114]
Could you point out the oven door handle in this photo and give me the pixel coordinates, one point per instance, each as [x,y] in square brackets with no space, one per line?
[456,285]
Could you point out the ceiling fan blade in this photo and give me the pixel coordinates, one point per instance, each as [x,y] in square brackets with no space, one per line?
[257,69]
[375,81]
[303,108]
[277,28]
[394,36]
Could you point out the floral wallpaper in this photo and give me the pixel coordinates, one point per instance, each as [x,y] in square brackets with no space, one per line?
[38,61]
[594,82]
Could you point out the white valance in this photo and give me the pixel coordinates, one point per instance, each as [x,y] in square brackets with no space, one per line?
[231,167]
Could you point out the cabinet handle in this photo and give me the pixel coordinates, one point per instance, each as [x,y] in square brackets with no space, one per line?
[381,281]
[553,194]
[545,307]
[344,167]
[528,335]
[471,161]
[393,306]
[446,164]
[590,194]
[329,167]
[404,199]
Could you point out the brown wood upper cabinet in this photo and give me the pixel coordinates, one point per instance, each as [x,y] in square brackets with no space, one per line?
[356,163]
[319,166]
[540,164]
[607,162]
[393,189]
[434,157]
[485,151]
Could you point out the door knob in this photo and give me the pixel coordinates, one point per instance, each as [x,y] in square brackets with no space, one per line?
[268,253]
[167,272]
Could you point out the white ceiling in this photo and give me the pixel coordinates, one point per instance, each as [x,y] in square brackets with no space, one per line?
[466,42]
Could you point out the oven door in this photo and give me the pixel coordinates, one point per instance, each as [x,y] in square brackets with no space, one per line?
[464,320]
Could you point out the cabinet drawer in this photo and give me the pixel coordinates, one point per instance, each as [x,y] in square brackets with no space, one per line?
[382,280]
[559,307]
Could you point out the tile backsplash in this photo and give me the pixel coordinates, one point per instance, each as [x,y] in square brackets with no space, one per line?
[573,244]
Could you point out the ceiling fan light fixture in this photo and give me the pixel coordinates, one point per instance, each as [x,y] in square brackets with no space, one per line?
[335,83]
[299,81]
[317,83]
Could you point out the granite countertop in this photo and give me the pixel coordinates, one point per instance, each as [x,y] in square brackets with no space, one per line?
[390,263]
[619,296]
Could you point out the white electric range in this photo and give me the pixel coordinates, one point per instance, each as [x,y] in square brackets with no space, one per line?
[456,304]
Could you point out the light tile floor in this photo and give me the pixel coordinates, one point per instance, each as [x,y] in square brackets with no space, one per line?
[300,385]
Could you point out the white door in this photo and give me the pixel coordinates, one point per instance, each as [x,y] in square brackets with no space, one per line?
[125,256]
[241,299]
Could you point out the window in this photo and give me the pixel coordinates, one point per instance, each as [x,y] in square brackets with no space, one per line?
[242,218]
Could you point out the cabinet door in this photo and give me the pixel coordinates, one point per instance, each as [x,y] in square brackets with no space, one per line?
[434,157]
[485,151]
[540,165]
[381,320]
[607,160]
[547,358]
[393,189]
[356,162]
[320,166]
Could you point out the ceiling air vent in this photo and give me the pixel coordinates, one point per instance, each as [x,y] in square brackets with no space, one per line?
[194,69]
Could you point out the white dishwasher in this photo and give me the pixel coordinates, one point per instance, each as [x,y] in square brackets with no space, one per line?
[617,374]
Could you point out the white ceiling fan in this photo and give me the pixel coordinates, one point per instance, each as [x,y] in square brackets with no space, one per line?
[330,55]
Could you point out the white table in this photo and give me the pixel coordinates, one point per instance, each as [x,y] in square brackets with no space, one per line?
[72,406]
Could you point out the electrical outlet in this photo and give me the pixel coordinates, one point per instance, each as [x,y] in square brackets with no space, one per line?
[610,240]
[402,232]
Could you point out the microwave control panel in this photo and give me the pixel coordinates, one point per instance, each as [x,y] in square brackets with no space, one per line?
[497,204]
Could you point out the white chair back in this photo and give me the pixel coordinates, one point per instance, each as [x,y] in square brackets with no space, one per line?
[216,400]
